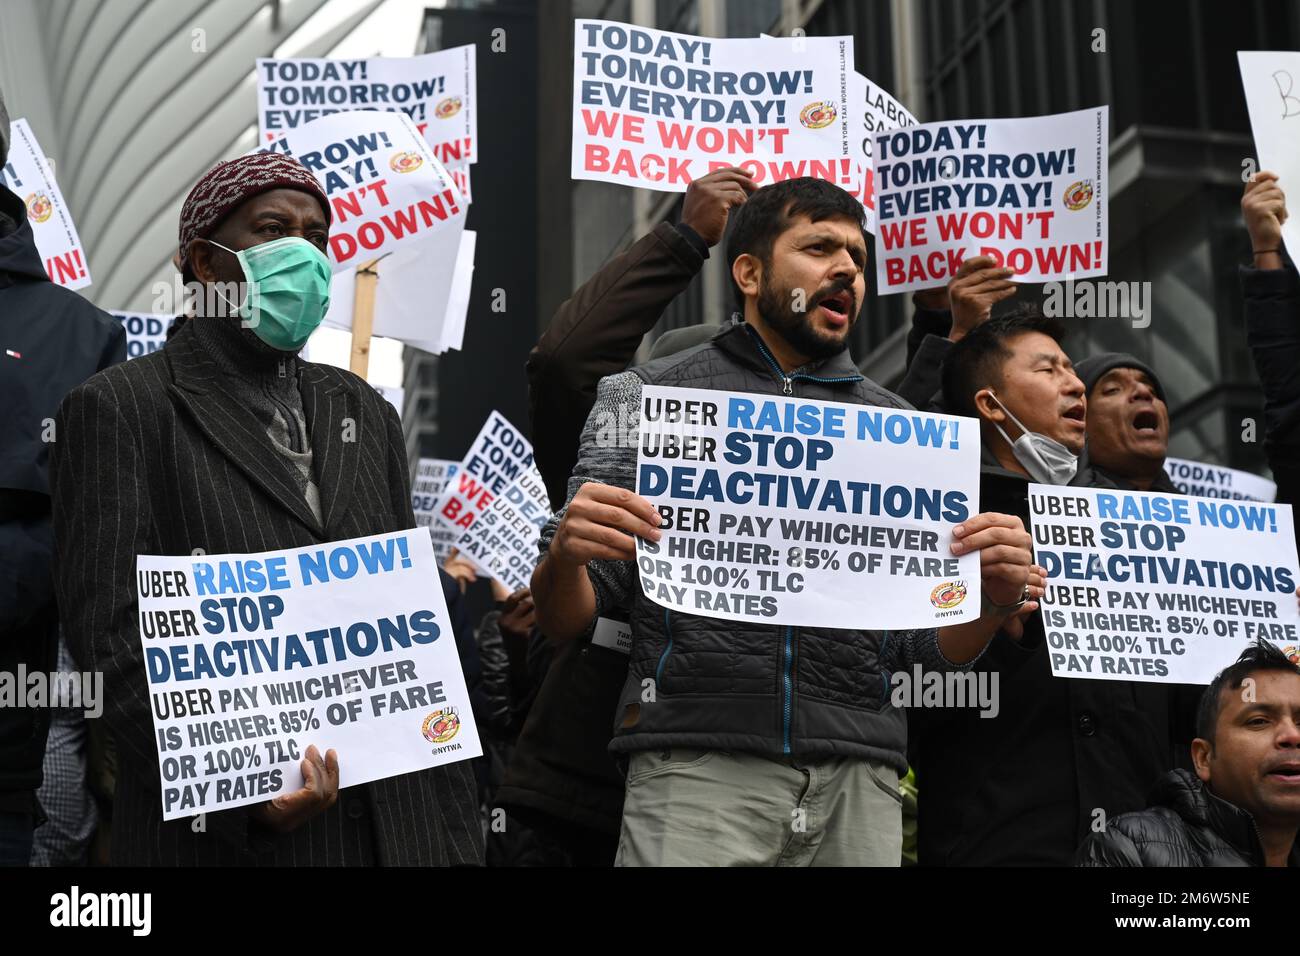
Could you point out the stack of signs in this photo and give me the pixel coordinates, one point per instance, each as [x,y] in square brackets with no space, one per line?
[28,175]
[1030,193]
[877,111]
[1214,481]
[1272,84]
[411,278]
[498,458]
[437,92]
[385,187]
[145,331]
[503,541]
[431,478]
[659,110]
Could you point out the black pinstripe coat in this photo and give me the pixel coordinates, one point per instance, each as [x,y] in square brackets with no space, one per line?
[155,457]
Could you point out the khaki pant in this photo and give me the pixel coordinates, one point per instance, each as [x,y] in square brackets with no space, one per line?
[687,807]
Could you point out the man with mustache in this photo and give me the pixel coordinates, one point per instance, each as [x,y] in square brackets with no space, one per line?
[1241,807]
[759,744]
[1023,787]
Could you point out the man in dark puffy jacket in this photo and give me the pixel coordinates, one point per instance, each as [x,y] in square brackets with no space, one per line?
[754,728]
[1242,806]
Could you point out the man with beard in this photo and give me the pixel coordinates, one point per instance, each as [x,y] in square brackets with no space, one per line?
[759,744]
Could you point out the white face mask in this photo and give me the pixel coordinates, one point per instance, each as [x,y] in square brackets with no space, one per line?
[1046,459]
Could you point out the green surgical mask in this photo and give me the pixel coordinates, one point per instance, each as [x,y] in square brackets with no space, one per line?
[289,290]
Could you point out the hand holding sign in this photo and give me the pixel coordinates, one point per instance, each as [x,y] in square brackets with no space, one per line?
[1006,557]
[1263,206]
[979,284]
[710,199]
[599,523]
[319,792]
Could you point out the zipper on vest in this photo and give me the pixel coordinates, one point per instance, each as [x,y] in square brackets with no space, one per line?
[282,373]
[787,381]
[788,681]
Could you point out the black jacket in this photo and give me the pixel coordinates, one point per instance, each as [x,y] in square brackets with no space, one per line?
[1272,316]
[561,769]
[52,340]
[157,456]
[1020,788]
[1185,825]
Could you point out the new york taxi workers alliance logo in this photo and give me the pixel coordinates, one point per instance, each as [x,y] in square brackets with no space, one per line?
[39,207]
[1078,195]
[949,594]
[440,726]
[447,108]
[405,162]
[818,115]
[1292,653]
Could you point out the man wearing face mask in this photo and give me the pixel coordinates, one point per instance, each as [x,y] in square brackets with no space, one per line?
[225,441]
[1025,785]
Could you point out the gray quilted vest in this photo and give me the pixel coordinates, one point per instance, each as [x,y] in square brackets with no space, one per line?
[758,688]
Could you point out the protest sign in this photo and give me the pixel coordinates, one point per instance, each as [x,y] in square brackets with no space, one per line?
[1215,481]
[803,512]
[659,110]
[145,331]
[876,110]
[385,187]
[431,477]
[1030,193]
[503,542]
[436,90]
[28,175]
[1164,588]
[496,459]
[251,658]
[453,327]
[1270,80]
[411,281]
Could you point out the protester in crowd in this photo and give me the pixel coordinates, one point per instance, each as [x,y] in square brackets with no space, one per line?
[53,340]
[1128,422]
[719,760]
[1022,787]
[1272,290]
[562,780]
[224,441]
[1242,805]
[596,331]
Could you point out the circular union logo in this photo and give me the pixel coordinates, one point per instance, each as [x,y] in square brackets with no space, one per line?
[949,594]
[39,207]
[817,115]
[405,162]
[447,108]
[1078,195]
[440,726]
